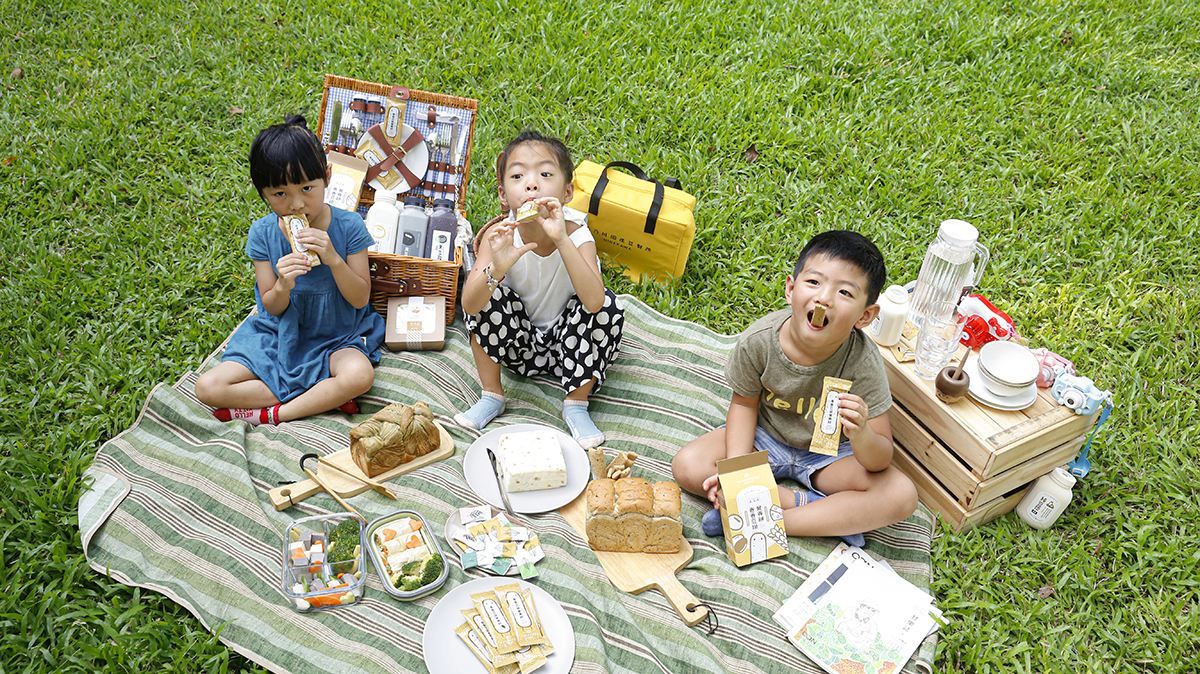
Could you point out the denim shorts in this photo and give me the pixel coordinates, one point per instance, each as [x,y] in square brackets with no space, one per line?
[795,464]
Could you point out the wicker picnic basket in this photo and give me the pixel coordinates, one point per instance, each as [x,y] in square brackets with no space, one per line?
[391,274]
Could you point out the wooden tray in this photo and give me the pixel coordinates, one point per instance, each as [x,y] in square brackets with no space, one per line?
[291,494]
[636,572]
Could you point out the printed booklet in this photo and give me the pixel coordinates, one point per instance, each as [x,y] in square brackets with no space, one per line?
[854,614]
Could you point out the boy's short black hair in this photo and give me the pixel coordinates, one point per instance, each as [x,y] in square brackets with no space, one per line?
[287,153]
[851,247]
[562,154]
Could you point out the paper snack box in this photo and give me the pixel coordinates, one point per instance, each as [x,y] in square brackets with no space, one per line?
[750,511]
[416,323]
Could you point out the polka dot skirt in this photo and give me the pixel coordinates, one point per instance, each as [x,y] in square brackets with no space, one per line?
[575,348]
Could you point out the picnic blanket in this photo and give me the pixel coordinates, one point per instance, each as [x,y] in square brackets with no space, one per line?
[178,504]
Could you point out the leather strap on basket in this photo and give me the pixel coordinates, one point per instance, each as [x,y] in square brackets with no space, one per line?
[394,157]
[655,204]
[394,287]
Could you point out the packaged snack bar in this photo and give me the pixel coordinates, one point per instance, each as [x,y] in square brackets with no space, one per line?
[827,431]
[292,224]
[479,626]
[510,598]
[497,621]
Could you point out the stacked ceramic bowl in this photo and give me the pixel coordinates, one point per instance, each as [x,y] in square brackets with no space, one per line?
[1008,374]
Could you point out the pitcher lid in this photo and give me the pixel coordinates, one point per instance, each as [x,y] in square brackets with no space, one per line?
[959,232]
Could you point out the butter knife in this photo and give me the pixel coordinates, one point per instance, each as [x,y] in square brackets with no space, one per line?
[500,484]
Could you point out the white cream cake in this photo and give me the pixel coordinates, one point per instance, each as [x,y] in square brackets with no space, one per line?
[531,460]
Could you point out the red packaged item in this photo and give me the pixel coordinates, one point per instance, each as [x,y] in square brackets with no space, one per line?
[985,323]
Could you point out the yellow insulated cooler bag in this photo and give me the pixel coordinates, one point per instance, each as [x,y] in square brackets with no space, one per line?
[637,221]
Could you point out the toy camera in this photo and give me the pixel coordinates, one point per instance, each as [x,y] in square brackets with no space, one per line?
[1078,393]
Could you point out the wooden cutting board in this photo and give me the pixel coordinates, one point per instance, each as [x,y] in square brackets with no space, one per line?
[291,494]
[636,572]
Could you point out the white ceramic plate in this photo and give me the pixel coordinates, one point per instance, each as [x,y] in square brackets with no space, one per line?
[454,526]
[417,161]
[480,478]
[981,394]
[445,653]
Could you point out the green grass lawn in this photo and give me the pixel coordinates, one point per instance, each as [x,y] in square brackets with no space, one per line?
[1066,131]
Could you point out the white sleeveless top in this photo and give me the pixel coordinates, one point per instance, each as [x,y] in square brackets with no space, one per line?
[543,282]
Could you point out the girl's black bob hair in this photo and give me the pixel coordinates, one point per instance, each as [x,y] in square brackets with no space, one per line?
[287,153]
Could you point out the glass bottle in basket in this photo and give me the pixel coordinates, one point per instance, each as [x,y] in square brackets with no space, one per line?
[953,265]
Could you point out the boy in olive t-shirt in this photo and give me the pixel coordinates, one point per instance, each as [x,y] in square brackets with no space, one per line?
[776,372]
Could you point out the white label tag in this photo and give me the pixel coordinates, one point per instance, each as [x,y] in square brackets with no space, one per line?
[829,417]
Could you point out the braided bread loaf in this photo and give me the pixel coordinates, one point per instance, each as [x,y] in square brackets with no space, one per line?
[394,435]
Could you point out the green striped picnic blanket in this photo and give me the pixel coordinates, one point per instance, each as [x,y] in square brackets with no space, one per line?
[178,504]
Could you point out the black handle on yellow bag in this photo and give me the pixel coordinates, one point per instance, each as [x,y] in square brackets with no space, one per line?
[655,204]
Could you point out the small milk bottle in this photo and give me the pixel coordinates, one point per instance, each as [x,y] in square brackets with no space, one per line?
[1046,499]
[893,308]
[383,221]
[413,223]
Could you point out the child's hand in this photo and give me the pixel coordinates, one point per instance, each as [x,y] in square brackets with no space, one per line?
[712,489]
[289,267]
[553,221]
[504,254]
[853,411]
[318,242]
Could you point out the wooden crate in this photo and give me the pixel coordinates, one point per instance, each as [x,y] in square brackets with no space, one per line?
[969,461]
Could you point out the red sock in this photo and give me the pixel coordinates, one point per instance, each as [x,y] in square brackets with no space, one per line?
[350,407]
[254,417]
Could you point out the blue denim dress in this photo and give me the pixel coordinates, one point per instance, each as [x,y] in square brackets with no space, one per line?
[290,353]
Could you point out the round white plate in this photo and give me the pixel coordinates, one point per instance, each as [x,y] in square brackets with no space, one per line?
[480,478]
[454,526]
[981,394]
[417,161]
[445,652]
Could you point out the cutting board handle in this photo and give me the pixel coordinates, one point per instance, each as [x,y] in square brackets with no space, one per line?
[684,602]
[291,494]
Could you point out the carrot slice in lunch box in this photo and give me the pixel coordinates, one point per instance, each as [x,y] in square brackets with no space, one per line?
[413,542]
[415,524]
[387,534]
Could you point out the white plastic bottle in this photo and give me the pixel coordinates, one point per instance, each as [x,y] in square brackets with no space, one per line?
[893,308]
[1046,499]
[383,221]
[413,222]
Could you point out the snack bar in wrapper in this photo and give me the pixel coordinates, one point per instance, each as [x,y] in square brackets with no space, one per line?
[546,646]
[474,643]
[393,120]
[827,431]
[497,621]
[292,224]
[369,151]
[479,627]
[510,598]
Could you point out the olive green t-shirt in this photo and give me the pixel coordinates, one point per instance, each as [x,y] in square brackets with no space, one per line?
[788,392]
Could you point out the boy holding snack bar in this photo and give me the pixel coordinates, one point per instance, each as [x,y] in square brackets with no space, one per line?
[780,370]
